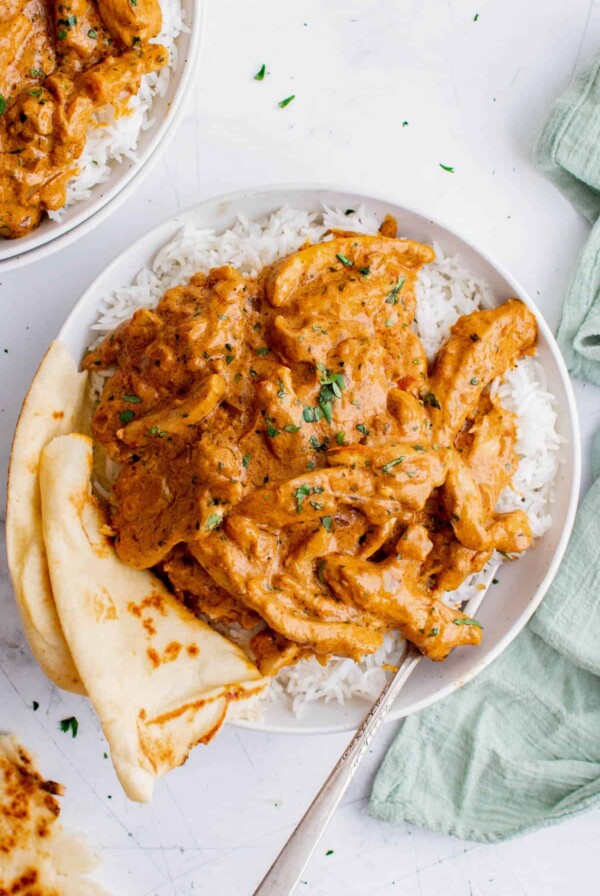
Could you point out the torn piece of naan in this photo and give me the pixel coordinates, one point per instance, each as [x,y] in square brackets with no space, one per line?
[36,855]
[54,406]
[160,679]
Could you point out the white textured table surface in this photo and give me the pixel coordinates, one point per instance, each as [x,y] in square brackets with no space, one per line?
[474,94]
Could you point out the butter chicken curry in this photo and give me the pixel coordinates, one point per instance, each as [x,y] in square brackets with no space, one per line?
[287,458]
[59,63]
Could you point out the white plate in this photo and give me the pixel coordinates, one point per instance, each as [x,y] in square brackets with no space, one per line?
[82,216]
[523,583]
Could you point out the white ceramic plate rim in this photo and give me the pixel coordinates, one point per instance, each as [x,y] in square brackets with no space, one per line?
[114,197]
[571,409]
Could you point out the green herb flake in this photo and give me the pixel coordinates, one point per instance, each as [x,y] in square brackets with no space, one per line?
[61,34]
[282,393]
[326,523]
[475,17]
[291,427]
[132,399]
[345,261]
[310,465]
[474,381]
[260,75]
[214,521]
[447,168]
[495,581]
[229,359]
[319,330]
[340,437]
[393,463]
[283,103]
[271,431]
[93,34]
[404,124]
[392,296]
[329,852]
[35,91]
[71,724]
[362,428]
[126,416]
[300,496]
[466,621]
[154,431]
[365,271]
[246,461]
[37,73]
[430,400]
[262,351]
[418,448]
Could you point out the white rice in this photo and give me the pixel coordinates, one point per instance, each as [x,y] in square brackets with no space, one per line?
[445,291]
[113,134]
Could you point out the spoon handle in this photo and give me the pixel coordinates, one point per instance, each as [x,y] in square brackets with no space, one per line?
[285,872]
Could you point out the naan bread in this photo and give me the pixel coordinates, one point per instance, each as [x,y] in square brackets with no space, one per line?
[37,858]
[160,679]
[54,406]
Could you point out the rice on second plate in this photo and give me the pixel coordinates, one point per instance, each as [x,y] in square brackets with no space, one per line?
[113,133]
[445,291]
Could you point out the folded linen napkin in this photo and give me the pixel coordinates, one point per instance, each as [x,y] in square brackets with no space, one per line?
[519,747]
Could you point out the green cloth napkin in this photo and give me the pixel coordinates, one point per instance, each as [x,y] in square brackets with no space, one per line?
[519,747]
[568,153]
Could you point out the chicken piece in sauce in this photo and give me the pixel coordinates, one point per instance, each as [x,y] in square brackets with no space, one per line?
[59,63]
[286,457]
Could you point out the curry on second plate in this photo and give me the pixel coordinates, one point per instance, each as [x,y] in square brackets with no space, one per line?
[288,464]
[59,63]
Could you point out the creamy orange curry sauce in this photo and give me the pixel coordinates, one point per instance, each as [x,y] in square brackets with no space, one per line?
[287,457]
[59,63]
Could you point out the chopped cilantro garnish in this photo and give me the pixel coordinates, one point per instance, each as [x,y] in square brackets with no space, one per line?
[340,437]
[393,463]
[474,381]
[229,358]
[283,103]
[260,75]
[262,351]
[476,16]
[365,271]
[71,724]
[329,852]
[36,73]
[300,496]
[345,261]
[92,33]
[319,330]
[35,91]
[246,461]
[291,427]
[392,297]
[326,523]
[418,448]
[132,399]
[271,431]
[214,520]
[282,393]
[362,428]
[61,34]
[466,621]
[430,399]
[126,416]
[155,431]
[447,168]
[310,464]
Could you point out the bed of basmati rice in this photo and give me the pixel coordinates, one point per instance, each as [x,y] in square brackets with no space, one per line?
[445,291]
[113,133]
